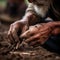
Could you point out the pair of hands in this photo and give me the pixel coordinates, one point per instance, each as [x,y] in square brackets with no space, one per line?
[35,34]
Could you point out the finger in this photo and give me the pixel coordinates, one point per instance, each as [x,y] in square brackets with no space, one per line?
[42,40]
[45,33]
[15,35]
[32,30]
[45,28]
[11,27]
[10,38]
[10,35]
[43,37]
[42,34]
[32,38]
[26,34]
[24,28]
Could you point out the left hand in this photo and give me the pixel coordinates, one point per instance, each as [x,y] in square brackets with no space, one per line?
[37,34]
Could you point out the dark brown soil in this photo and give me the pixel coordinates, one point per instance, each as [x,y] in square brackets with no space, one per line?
[10,51]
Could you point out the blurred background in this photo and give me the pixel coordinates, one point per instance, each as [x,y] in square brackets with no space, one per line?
[12,10]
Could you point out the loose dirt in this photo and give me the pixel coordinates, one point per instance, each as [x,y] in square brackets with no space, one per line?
[16,51]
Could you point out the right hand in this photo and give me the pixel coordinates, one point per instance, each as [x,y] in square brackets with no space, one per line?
[15,30]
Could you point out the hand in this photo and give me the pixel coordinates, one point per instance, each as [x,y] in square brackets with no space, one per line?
[37,34]
[15,29]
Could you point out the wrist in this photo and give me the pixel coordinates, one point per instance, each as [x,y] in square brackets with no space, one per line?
[24,21]
[52,24]
[55,24]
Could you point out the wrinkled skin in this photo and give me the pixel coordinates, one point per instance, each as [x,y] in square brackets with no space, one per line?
[34,34]
[39,33]
[20,26]
[15,28]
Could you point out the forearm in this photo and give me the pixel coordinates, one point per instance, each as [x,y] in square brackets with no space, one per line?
[29,18]
[56,27]
[55,24]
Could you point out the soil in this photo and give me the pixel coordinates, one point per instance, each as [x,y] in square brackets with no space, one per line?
[10,51]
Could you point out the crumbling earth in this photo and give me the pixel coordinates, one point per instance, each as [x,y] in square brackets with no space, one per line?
[17,51]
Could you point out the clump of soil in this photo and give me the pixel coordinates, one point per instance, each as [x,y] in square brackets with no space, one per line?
[17,51]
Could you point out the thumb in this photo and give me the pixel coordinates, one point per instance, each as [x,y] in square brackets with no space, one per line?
[25,34]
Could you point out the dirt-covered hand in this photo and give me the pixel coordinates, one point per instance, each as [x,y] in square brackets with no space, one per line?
[37,34]
[15,29]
